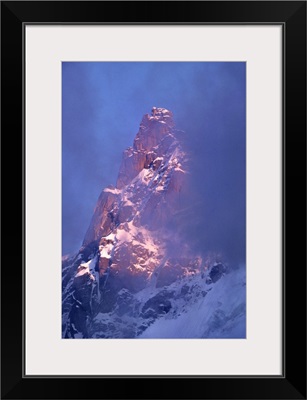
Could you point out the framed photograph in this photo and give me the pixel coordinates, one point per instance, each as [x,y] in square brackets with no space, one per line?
[163,151]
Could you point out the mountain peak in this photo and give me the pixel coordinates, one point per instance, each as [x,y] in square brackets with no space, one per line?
[158,115]
[150,178]
[160,112]
[155,135]
[137,273]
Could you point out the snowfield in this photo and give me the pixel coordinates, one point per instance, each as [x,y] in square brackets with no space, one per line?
[220,314]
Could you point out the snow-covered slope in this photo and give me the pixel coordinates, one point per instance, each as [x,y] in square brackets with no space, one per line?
[135,275]
[218,314]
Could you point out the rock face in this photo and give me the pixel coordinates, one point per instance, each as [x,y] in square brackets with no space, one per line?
[133,268]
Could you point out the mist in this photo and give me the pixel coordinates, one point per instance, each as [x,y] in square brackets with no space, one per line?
[102,106]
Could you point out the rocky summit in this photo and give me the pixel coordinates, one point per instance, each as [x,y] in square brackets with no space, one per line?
[135,276]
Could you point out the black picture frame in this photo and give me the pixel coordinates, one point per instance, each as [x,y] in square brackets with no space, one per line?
[292,16]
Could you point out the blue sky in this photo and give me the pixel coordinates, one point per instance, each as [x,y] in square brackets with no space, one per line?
[102,106]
